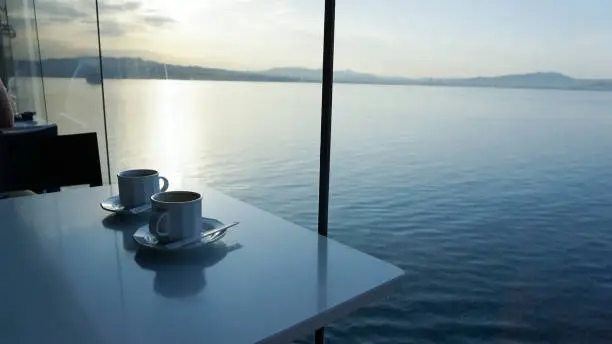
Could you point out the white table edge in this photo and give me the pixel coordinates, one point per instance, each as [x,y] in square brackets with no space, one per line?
[309,325]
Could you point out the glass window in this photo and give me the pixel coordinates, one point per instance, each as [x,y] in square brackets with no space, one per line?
[470,147]
[226,91]
[19,56]
[67,34]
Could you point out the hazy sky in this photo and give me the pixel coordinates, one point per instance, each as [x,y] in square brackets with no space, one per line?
[394,37]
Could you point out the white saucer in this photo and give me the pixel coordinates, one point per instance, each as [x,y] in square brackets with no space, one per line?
[113,204]
[146,239]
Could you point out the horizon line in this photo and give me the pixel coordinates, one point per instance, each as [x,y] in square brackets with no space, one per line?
[335,70]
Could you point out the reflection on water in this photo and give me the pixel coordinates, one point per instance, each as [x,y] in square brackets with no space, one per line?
[182,273]
[171,135]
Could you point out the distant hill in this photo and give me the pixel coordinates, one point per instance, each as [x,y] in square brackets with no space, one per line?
[136,68]
[532,80]
[540,80]
[341,76]
[295,72]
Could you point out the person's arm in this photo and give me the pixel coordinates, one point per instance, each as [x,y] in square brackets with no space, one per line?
[7,114]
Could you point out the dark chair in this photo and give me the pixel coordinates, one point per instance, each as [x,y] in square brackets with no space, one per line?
[38,162]
[19,161]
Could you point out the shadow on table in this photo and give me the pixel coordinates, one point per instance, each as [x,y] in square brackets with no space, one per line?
[181,274]
[127,225]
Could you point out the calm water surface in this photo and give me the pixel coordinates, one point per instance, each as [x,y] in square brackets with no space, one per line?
[497,203]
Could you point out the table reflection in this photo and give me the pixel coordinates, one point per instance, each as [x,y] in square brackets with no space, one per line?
[127,225]
[181,274]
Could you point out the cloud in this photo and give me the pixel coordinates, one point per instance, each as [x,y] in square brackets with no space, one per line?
[113,28]
[58,11]
[20,23]
[108,27]
[158,20]
[82,12]
[119,7]
[116,18]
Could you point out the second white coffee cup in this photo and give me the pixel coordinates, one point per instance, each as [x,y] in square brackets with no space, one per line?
[137,186]
[177,215]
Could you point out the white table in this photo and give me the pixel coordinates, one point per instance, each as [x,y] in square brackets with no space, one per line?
[71,273]
[34,124]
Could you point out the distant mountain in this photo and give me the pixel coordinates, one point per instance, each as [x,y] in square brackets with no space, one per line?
[137,68]
[341,76]
[134,68]
[548,80]
[295,72]
[532,80]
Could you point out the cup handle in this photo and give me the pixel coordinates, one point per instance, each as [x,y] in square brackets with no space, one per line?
[155,222]
[164,186]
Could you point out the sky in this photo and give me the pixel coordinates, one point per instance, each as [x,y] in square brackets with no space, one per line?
[413,38]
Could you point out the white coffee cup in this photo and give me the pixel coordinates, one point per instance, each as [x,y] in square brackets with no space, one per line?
[137,186]
[177,215]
